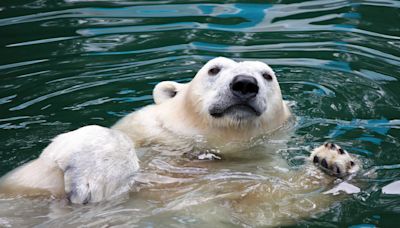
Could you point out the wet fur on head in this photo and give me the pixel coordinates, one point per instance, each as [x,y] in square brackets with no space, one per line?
[166,90]
[211,92]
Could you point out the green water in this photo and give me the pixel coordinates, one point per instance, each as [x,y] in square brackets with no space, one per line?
[66,64]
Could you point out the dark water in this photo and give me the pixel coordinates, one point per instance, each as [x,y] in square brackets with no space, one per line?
[66,64]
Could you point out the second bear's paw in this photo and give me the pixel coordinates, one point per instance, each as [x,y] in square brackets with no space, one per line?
[334,160]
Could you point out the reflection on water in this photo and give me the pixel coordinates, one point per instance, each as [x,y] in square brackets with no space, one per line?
[65,64]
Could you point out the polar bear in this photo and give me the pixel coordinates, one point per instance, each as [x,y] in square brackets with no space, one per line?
[227,101]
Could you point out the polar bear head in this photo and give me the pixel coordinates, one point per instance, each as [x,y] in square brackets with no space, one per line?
[225,94]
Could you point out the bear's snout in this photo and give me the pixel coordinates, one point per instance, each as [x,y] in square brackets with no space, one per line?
[244,87]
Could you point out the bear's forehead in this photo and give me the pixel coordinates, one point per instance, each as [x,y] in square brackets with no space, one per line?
[240,66]
[253,65]
[249,68]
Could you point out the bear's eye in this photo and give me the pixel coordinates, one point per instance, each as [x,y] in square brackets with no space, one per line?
[267,76]
[214,71]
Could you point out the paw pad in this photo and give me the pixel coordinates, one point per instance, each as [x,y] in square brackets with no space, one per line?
[334,160]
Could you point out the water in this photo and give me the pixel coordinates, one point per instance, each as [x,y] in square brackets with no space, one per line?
[66,64]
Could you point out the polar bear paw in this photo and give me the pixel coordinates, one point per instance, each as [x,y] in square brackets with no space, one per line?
[98,163]
[334,160]
[77,187]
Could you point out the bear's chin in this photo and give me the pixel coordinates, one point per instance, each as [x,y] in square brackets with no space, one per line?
[236,112]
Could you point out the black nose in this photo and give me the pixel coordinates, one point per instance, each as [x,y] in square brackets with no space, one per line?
[244,86]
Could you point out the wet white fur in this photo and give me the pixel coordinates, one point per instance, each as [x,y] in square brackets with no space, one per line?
[165,91]
[187,113]
[90,164]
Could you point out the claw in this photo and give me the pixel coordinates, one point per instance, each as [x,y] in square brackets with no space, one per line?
[324,163]
[336,170]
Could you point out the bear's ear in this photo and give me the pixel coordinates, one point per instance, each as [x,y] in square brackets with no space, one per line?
[165,91]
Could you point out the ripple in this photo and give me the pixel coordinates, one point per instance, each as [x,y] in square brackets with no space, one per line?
[64,91]
[20,64]
[20,122]
[42,41]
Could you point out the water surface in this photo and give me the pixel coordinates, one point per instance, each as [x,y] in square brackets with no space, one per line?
[66,64]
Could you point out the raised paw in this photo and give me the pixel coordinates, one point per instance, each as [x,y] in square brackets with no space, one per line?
[334,160]
[98,163]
